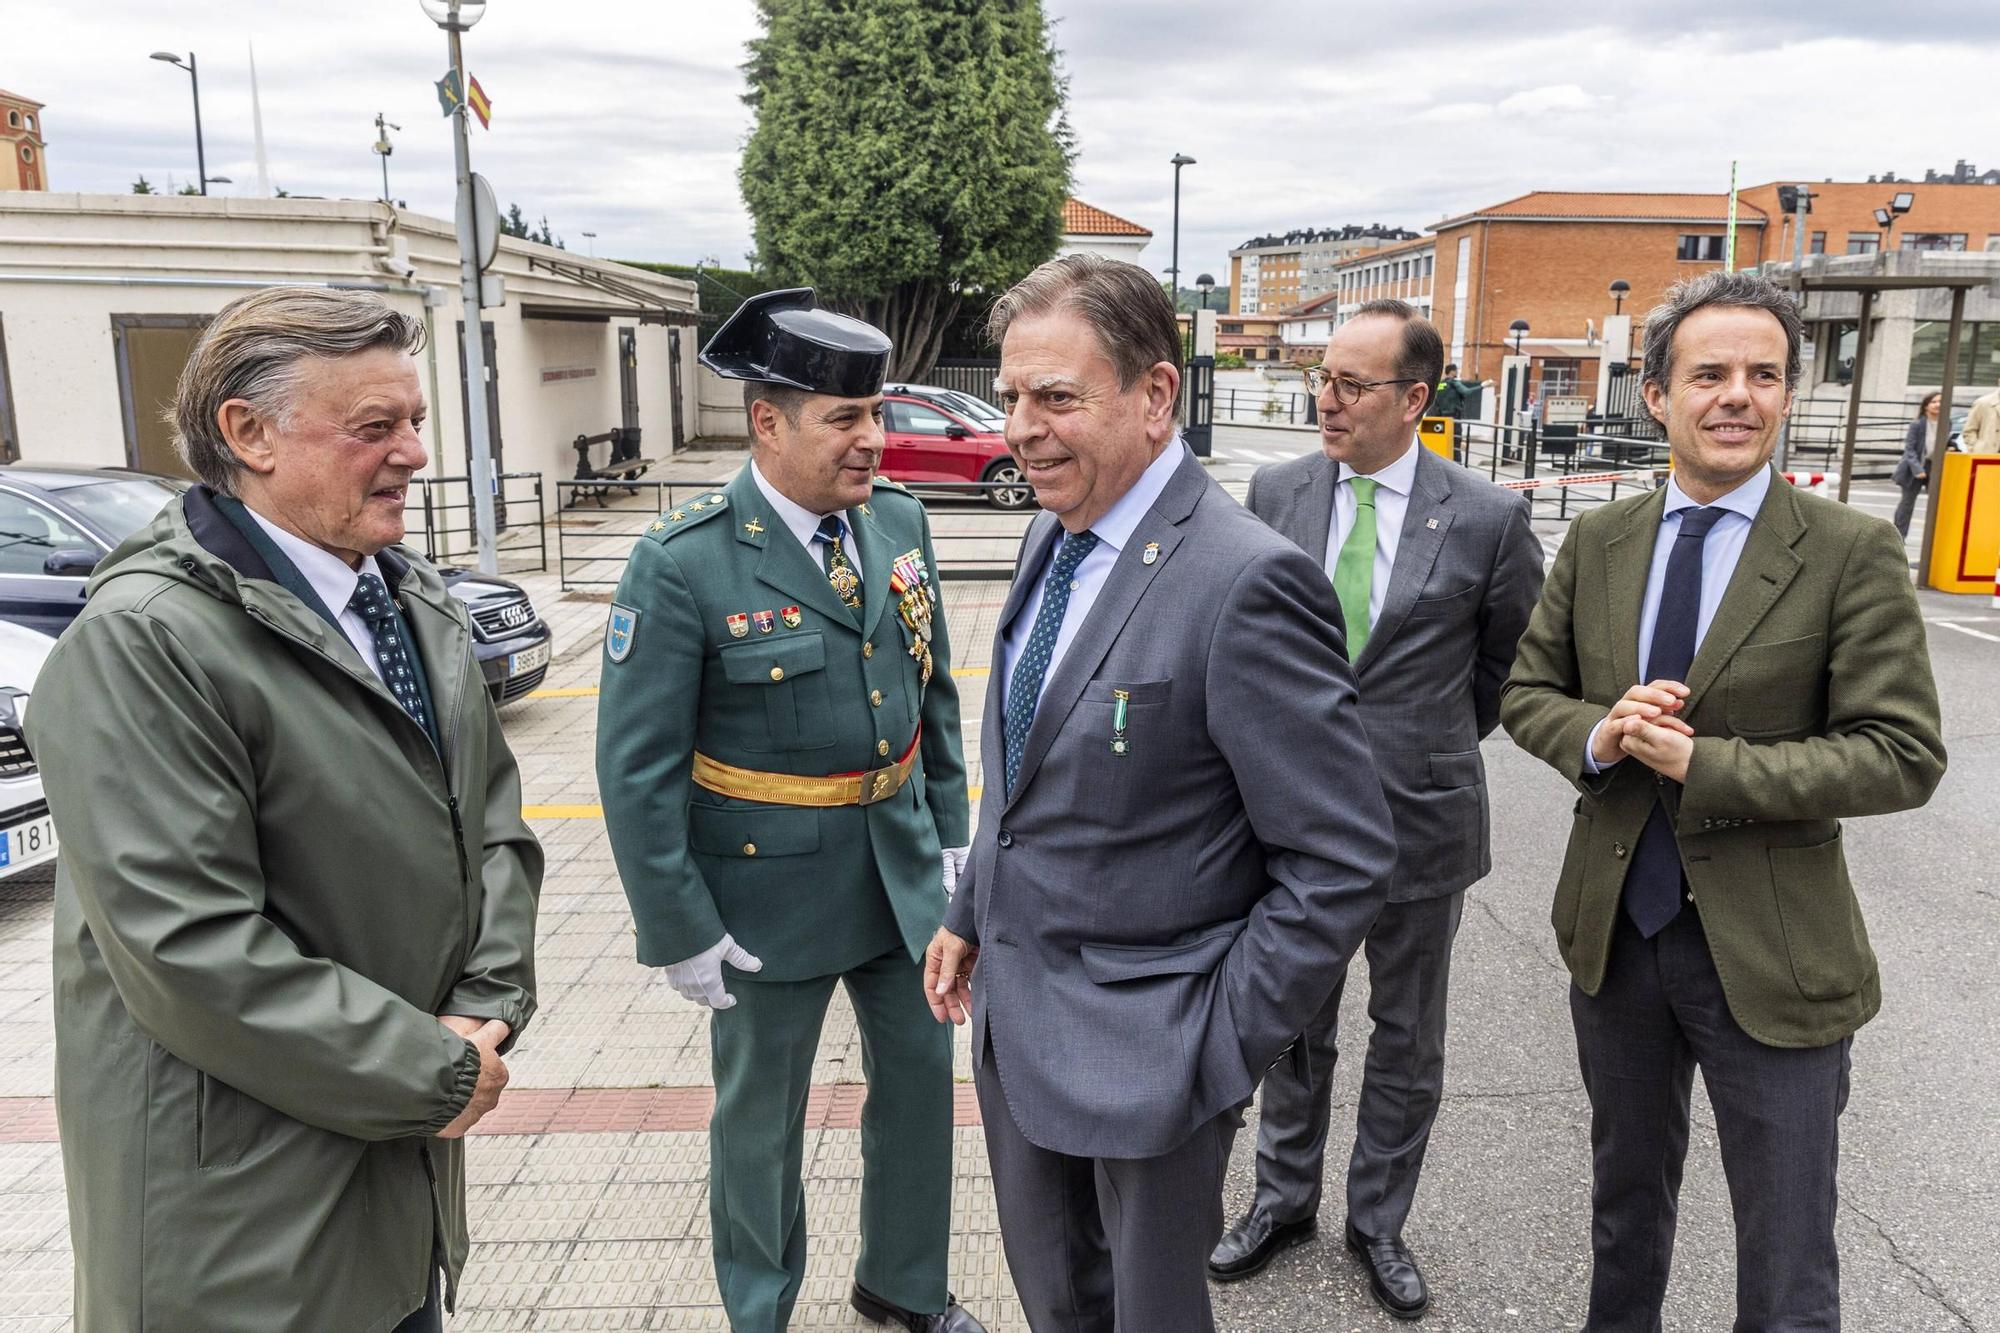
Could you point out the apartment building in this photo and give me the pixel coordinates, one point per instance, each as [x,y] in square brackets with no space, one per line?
[1270,274]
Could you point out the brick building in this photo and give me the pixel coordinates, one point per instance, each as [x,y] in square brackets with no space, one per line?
[21,163]
[1270,274]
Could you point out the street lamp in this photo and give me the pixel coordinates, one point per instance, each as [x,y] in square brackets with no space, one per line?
[1899,203]
[455,17]
[591,238]
[1204,284]
[200,157]
[1179,160]
[1619,287]
[1519,328]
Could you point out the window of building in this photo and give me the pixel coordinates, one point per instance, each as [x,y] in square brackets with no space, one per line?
[1978,354]
[27,153]
[1232,328]
[1834,345]
[13,120]
[30,121]
[1700,249]
[1933,240]
[1863,242]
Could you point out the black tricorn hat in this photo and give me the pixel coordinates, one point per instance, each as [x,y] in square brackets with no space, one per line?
[780,338]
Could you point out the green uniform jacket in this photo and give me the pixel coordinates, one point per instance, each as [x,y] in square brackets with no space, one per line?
[269,885]
[801,888]
[1811,701]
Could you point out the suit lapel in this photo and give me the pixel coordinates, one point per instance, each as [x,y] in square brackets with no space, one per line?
[784,565]
[1628,558]
[1311,519]
[1763,572]
[1043,534]
[1129,578]
[1425,522]
[877,559]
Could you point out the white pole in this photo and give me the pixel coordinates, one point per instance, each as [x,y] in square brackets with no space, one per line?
[478,429]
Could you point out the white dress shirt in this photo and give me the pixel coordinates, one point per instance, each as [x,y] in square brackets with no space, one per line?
[1392,501]
[333,581]
[1720,551]
[1113,531]
[804,524]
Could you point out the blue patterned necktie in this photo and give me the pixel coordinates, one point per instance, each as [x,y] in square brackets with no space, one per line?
[392,646]
[1653,885]
[1024,687]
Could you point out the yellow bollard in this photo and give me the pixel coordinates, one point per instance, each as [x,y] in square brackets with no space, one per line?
[1966,551]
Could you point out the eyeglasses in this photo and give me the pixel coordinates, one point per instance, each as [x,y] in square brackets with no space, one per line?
[1347,390]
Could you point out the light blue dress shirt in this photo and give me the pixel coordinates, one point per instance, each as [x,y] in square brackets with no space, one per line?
[1720,551]
[1114,532]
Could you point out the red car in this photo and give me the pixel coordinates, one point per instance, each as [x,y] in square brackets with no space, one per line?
[929,442]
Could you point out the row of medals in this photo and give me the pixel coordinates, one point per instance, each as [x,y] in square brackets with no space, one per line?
[915,607]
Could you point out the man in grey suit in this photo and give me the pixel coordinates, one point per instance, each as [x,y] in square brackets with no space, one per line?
[1437,573]
[1181,839]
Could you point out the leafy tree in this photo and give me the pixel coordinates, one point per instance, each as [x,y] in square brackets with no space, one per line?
[909,156]
[188,189]
[143,186]
[514,224]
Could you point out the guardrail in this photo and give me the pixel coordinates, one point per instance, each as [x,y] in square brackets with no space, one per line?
[593,545]
[444,521]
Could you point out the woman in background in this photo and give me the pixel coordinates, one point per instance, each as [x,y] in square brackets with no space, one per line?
[1913,469]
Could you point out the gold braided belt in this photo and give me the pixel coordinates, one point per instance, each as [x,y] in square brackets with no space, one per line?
[748,784]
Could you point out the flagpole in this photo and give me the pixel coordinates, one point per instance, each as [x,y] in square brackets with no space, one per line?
[1729,261]
[478,429]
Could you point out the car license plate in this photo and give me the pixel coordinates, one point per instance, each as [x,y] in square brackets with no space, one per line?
[28,843]
[528,659]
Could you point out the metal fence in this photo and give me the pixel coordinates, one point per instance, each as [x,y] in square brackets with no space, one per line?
[966,376]
[972,540]
[444,526]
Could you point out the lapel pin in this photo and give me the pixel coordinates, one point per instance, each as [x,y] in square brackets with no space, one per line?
[754,528]
[1430,523]
[1152,553]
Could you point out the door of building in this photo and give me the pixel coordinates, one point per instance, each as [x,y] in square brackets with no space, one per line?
[674,387]
[492,421]
[628,389]
[150,351]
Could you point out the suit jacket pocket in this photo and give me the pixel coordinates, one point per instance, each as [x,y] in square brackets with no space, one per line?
[1824,933]
[1464,769]
[1107,964]
[224,1123]
[1774,687]
[1453,603]
[789,673]
[1139,693]
[753,831]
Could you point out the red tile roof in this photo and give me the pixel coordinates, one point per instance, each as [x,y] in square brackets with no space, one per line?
[1081,219]
[1609,206]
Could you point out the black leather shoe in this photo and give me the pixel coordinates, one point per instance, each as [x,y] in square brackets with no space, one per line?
[953,1319]
[1251,1245]
[1393,1274]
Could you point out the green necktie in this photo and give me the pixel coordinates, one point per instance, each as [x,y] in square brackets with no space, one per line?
[1354,571]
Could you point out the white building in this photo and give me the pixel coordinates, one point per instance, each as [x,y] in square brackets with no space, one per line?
[1088,229]
[101,297]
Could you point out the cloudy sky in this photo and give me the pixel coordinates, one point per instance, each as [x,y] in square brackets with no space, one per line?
[622,117]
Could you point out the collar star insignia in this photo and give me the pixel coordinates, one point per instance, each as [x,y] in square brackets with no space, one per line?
[678,515]
[657,527]
[698,506]
[753,527]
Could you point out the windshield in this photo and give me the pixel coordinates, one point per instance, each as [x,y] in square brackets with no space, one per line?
[977,408]
[120,508]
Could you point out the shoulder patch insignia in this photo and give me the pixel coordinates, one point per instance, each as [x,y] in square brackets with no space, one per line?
[620,633]
[680,519]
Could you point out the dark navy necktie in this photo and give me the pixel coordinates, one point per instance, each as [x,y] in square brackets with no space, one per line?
[392,645]
[1653,885]
[1024,687]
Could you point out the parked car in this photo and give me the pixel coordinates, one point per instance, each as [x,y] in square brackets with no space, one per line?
[27,835]
[970,406]
[929,442]
[57,523]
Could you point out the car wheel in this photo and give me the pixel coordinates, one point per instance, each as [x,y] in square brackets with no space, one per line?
[1010,488]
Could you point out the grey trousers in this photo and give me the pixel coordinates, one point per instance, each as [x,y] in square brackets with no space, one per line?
[1659,1014]
[1409,973]
[1103,1244]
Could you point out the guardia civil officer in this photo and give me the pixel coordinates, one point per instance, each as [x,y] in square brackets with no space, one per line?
[784,786]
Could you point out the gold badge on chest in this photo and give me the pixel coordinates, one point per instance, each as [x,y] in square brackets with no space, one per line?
[915,606]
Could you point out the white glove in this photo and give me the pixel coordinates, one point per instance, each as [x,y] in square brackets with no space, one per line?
[699,979]
[954,866]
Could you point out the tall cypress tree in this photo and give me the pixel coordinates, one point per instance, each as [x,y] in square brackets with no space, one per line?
[909,156]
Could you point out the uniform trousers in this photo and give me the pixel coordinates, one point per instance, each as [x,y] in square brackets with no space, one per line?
[1661,1013]
[763,1050]
[1409,975]
[1097,1244]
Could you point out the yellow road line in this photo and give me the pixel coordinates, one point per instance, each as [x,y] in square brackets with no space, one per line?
[597,811]
[590,691]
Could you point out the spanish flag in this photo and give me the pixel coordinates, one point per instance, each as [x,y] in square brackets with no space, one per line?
[478,101]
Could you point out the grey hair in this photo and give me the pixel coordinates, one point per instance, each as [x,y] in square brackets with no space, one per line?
[1129,311]
[790,402]
[259,348]
[1720,288]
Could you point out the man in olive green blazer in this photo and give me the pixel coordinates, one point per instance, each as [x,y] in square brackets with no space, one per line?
[1704,907]
[783,782]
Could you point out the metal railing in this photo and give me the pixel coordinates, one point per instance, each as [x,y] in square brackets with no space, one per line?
[444,521]
[971,542]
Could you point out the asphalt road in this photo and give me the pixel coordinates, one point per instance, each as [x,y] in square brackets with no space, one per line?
[1502,1220]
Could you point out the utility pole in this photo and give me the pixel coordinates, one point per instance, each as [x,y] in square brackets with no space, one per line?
[1801,206]
[383,148]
